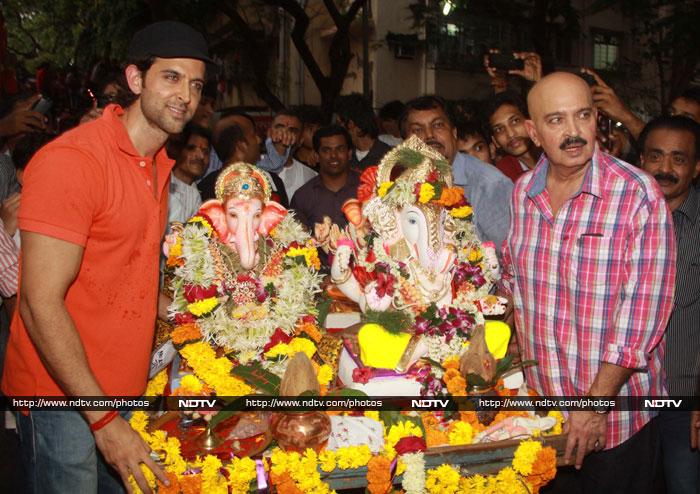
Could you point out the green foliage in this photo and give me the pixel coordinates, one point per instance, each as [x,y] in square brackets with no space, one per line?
[393,321]
[258,377]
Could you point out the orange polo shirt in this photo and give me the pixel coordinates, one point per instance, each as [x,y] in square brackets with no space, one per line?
[90,187]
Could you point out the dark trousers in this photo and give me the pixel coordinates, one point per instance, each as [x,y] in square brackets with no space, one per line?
[681,464]
[629,468]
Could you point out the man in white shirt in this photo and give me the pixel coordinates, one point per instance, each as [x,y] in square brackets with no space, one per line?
[192,159]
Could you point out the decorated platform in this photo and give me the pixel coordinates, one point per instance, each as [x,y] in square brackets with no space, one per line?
[409,309]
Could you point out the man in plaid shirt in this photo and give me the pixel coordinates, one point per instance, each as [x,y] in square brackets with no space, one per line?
[591,256]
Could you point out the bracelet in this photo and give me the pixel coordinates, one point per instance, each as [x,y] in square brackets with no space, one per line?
[106,419]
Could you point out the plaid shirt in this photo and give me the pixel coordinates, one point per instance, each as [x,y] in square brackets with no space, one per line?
[593,284]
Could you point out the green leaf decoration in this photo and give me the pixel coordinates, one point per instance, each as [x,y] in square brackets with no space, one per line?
[433,363]
[323,307]
[503,365]
[476,380]
[410,158]
[393,321]
[389,417]
[258,377]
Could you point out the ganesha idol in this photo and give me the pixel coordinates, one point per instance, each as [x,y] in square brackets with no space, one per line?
[243,268]
[411,248]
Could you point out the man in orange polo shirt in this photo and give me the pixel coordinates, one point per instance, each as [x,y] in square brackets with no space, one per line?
[94,206]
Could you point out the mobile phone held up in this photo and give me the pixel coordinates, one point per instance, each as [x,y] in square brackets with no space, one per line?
[505,62]
[43,106]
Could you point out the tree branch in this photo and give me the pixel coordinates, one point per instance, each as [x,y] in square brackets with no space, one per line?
[301,24]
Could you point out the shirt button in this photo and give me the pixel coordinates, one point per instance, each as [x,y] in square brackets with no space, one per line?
[142,164]
[148,182]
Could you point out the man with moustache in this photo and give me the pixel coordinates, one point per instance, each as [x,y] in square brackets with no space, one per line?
[94,208]
[191,163]
[670,152]
[591,258]
[325,194]
[486,188]
[506,117]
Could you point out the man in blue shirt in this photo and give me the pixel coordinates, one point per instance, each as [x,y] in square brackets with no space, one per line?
[486,188]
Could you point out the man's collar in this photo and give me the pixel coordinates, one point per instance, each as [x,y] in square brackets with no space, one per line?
[690,206]
[592,180]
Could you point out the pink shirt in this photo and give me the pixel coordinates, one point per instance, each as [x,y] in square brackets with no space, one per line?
[593,284]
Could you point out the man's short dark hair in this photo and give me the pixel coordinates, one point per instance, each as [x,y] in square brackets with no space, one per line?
[143,64]
[354,107]
[228,139]
[330,131]
[423,103]
[392,110]
[235,111]
[692,94]
[667,122]
[28,146]
[290,112]
[310,115]
[507,98]
[471,128]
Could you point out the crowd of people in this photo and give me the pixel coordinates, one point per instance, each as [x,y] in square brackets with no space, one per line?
[595,214]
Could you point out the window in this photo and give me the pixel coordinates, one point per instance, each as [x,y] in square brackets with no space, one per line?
[605,50]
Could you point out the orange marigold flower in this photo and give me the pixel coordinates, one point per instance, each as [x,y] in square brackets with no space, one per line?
[544,468]
[378,475]
[451,363]
[174,487]
[310,329]
[191,484]
[185,333]
[450,196]
[450,374]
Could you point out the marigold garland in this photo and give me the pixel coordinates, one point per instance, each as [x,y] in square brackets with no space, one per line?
[185,333]
[213,370]
[379,475]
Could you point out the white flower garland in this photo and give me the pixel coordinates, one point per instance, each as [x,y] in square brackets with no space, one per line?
[247,333]
[413,481]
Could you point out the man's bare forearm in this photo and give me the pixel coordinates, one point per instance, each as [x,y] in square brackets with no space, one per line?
[56,339]
[609,380]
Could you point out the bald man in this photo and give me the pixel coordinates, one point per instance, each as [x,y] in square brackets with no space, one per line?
[591,260]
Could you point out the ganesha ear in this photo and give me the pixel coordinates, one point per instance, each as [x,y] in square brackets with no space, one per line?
[214,210]
[271,216]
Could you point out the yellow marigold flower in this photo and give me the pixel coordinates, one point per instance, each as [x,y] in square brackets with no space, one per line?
[372,414]
[325,374]
[426,193]
[442,480]
[277,350]
[203,222]
[241,472]
[201,307]
[156,385]
[384,188]
[557,429]
[461,433]
[525,456]
[302,345]
[475,255]
[461,212]
[190,385]
[327,460]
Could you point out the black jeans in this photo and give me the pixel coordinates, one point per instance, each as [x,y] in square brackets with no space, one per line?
[629,468]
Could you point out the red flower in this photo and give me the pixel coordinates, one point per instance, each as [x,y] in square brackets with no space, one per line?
[363,276]
[371,257]
[361,374]
[410,444]
[385,285]
[198,292]
[277,337]
[186,318]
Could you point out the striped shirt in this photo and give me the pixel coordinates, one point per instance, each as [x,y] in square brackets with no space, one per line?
[682,359]
[593,284]
[9,263]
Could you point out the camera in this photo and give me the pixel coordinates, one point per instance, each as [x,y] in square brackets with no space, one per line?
[43,106]
[505,62]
